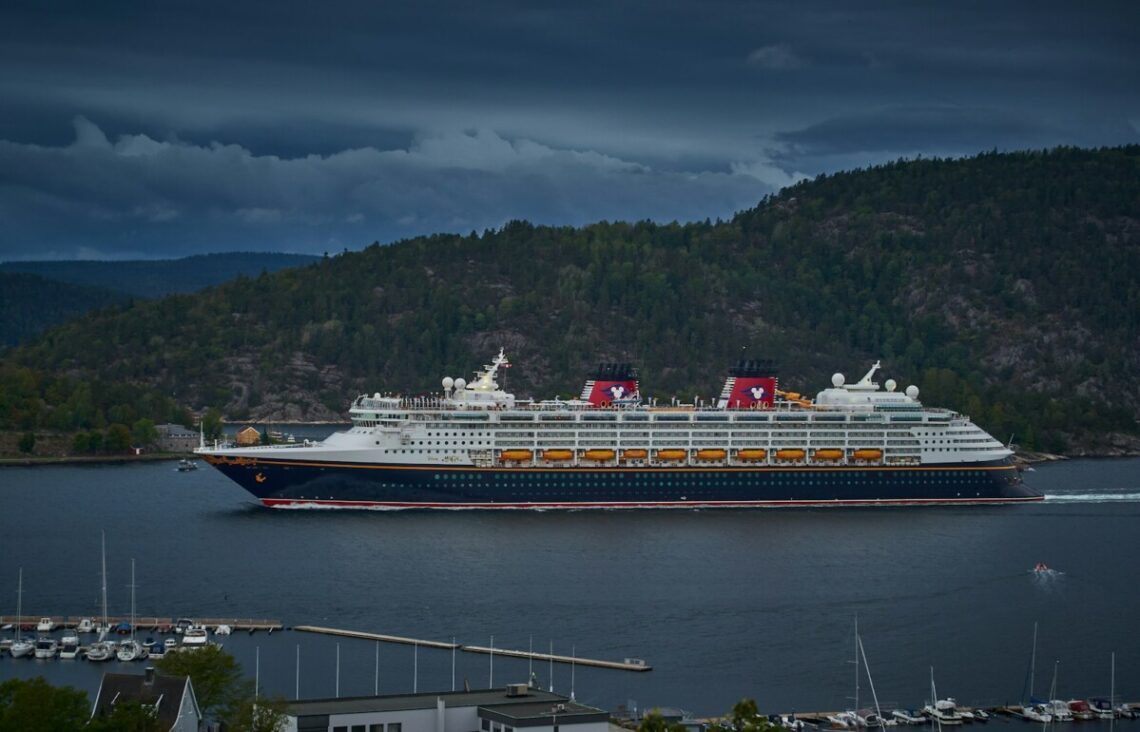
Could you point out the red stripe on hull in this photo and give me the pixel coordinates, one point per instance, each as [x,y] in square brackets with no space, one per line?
[305,503]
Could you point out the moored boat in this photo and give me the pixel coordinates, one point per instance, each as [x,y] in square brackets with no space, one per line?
[46,647]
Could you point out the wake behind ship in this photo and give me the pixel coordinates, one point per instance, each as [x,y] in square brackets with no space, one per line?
[477,447]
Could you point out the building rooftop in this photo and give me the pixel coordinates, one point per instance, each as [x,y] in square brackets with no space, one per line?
[152,689]
[496,699]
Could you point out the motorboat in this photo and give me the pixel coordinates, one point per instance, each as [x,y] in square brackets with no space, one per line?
[86,625]
[170,644]
[908,716]
[1081,709]
[1037,713]
[181,625]
[223,630]
[185,465]
[69,646]
[1060,710]
[944,711]
[46,625]
[838,721]
[981,715]
[195,637]
[154,648]
[1100,708]
[46,647]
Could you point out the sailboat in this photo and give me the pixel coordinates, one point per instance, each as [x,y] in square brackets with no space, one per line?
[102,649]
[131,650]
[20,646]
[1057,707]
[1034,710]
[876,719]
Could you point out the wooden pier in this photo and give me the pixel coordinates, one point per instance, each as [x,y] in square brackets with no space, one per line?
[148,622]
[627,665]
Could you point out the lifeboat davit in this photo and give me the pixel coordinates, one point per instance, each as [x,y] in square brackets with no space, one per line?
[867,454]
[827,454]
[752,455]
[516,456]
[788,454]
[711,454]
[599,455]
[557,454]
[634,454]
[671,455]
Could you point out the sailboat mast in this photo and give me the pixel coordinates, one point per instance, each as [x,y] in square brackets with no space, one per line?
[1033,661]
[856,665]
[1112,696]
[19,605]
[132,598]
[870,681]
[103,544]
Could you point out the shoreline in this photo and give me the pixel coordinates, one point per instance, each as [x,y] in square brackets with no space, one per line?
[38,460]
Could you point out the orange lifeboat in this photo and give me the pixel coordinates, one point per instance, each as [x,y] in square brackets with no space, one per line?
[599,455]
[557,454]
[792,396]
[751,455]
[634,454]
[827,454]
[516,456]
[867,454]
[711,454]
[790,454]
[671,455]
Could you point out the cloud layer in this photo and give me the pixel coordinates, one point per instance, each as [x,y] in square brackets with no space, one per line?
[208,126]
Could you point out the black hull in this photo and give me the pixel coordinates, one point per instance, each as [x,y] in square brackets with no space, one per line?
[280,483]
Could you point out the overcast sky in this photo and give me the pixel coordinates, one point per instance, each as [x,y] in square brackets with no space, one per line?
[159,129]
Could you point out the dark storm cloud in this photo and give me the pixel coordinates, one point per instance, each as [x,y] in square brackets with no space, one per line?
[143,129]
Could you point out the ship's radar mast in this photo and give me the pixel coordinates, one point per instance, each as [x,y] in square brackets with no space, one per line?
[866,383]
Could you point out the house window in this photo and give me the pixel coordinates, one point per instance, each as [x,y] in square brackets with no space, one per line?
[341,728]
[358,728]
[487,725]
[395,726]
[378,727]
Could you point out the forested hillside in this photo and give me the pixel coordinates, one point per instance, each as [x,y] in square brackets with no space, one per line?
[30,304]
[1006,285]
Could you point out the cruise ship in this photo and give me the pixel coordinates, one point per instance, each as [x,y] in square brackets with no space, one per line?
[476,446]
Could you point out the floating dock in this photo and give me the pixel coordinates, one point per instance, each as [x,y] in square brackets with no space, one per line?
[630,664]
[376,637]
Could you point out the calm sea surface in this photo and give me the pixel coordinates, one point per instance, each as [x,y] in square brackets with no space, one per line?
[722,604]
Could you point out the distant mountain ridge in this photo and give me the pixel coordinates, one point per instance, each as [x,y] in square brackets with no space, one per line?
[150,278]
[36,295]
[29,304]
[1006,286]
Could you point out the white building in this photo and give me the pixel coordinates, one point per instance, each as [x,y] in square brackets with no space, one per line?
[514,709]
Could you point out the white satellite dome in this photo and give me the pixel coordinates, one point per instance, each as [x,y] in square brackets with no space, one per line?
[837,380]
[460,383]
[448,382]
[891,385]
[912,391]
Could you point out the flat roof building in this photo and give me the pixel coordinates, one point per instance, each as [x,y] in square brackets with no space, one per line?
[517,707]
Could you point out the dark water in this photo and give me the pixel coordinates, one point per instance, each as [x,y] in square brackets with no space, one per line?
[721,604]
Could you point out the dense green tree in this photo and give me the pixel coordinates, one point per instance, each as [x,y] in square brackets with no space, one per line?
[654,721]
[212,424]
[34,705]
[144,433]
[216,676]
[259,715]
[129,716]
[744,717]
[118,438]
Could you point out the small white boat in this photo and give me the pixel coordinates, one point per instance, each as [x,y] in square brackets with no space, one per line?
[181,625]
[131,650]
[185,465]
[981,715]
[1036,713]
[86,625]
[46,647]
[838,721]
[22,647]
[100,651]
[195,637]
[223,630]
[905,716]
[170,643]
[46,625]
[944,711]
[69,646]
